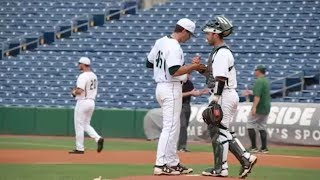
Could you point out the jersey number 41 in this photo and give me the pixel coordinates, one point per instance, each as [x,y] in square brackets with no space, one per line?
[160,63]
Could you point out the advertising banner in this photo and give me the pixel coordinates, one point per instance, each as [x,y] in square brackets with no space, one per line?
[288,123]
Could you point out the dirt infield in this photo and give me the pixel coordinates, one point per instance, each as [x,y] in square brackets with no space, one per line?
[14,156]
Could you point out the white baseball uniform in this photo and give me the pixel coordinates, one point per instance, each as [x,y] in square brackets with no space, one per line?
[229,100]
[223,66]
[88,82]
[167,53]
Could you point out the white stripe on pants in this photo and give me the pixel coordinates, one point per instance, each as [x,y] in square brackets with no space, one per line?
[169,96]
[82,118]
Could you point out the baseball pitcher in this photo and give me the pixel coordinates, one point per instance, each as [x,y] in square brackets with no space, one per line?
[167,60]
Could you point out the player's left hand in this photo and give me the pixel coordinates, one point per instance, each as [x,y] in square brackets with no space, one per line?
[196,60]
[195,92]
[204,91]
[246,92]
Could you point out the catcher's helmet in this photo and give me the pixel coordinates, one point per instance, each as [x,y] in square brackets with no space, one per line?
[220,25]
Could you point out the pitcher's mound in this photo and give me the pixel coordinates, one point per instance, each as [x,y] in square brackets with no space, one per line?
[182,177]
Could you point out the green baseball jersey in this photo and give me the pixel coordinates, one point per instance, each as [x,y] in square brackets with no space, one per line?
[262,89]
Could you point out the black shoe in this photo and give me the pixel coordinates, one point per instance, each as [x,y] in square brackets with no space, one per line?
[76,152]
[184,150]
[164,170]
[182,169]
[245,168]
[100,145]
[215,173]
[264,151]
[253,150]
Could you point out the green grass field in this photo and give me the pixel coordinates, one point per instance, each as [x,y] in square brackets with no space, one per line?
[111,171]
[88,172]
[68,143]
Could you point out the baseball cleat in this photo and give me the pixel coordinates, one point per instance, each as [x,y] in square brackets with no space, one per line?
[182,169]
[264,151]
[164,170]
[245,170]
[76,152]
[184,150]
[253,150]
[100,145]
[215,173]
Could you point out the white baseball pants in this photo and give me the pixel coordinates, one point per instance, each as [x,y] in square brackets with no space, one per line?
[82,118]
[169,96]
[228,101]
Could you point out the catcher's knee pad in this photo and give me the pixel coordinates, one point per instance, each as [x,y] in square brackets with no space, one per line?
[214,132]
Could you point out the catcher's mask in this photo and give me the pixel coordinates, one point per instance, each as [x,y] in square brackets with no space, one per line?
[220,25]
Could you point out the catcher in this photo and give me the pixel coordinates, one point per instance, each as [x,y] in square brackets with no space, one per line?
[222,80]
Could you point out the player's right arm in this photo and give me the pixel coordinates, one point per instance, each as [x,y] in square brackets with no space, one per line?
[176,69]
[81,85]
[179,70]
[151,56]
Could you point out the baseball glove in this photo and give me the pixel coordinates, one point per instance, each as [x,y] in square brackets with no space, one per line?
[73,90]
[213,114]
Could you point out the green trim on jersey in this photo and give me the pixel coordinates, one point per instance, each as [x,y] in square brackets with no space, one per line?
[149,64]
[262,89]
[173,69]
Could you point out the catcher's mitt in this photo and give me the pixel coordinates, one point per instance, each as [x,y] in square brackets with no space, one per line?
[213,114]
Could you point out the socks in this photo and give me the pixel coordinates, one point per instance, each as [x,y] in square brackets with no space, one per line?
[263,136]
[252,136]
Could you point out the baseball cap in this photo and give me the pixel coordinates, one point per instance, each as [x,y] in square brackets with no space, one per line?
[187,24]
[84,60]
[260,67]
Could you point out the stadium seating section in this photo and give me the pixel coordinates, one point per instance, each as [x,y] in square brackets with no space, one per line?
[283,35]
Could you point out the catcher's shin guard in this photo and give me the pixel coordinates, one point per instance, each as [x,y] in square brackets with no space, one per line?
[220,152]
[216,146]
[238,150]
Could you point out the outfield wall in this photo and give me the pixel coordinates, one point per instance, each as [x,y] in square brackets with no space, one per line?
[288,123]
[59,121]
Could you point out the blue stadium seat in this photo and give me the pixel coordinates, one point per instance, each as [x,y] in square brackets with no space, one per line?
[118,48]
